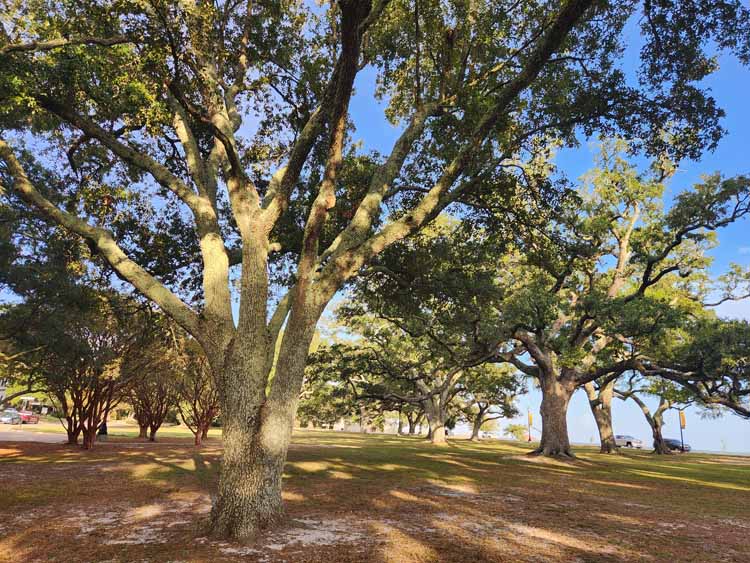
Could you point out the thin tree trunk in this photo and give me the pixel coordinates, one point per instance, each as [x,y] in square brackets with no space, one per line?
[655,421]
[601,407]
[412,427]
[204,431]
[400,429]
[73,434]
[89,437]
[152,434]
[73,430]
[660,446]
[554,409]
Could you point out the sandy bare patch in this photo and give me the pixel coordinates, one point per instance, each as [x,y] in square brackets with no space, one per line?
[137,525]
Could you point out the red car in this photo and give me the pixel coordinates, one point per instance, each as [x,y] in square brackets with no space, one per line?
[27,417]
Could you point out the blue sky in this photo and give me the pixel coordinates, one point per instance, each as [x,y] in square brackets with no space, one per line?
[730,86]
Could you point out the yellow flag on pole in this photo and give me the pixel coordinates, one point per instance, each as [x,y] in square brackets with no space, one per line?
[682,420]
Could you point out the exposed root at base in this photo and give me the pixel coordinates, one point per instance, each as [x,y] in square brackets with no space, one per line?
[554,453]
[245,533]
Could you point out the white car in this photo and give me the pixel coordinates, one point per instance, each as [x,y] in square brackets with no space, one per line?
[625,441]
[10,416]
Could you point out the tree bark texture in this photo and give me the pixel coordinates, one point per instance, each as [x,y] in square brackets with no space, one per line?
[554,410]
[600,402]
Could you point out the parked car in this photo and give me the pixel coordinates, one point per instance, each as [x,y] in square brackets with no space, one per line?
[10,416]
[674,444]
[625,441]
[29,417]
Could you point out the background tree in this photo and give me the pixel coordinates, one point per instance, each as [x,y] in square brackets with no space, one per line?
[670,396]
[602,277]
[489,393]
[197,394]
[600,401]
[516,431]
[147,102]
[709,358]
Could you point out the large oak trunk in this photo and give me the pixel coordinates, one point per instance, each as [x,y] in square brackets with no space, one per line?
[477,426]
[257,430]
[249,495]
[554,410]
[436,418]
[255,443]
[143,431]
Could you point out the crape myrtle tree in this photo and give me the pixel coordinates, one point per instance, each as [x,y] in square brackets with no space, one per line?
[197,393]
[603,284]
[71,326]
[670,396]
[234,117]
[81,340]
[152,395]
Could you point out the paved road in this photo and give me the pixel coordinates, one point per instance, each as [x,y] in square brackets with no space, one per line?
[19,435]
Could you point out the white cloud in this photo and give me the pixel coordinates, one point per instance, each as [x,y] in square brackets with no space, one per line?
[744,250]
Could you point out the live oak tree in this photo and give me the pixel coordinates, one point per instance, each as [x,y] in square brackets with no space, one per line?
[587,299]
[405,360]
[233,117]
[325,398]
[670,396]
[516,431]
[489,393]
[709,358]
[414,415]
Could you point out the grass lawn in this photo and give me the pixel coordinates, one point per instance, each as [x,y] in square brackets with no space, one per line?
[353,498]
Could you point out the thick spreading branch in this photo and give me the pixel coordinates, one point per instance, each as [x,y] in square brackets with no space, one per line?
[60,42]
[105,244]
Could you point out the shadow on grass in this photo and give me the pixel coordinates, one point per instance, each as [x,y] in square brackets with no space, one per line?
[402,499]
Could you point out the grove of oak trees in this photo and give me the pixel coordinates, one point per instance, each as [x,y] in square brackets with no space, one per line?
[227,124]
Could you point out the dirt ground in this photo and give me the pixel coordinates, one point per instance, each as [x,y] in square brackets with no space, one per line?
[355,498]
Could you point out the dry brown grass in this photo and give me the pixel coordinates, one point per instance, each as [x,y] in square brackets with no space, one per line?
[353,498]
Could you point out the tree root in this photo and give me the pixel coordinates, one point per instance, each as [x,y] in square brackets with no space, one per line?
[557,453]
